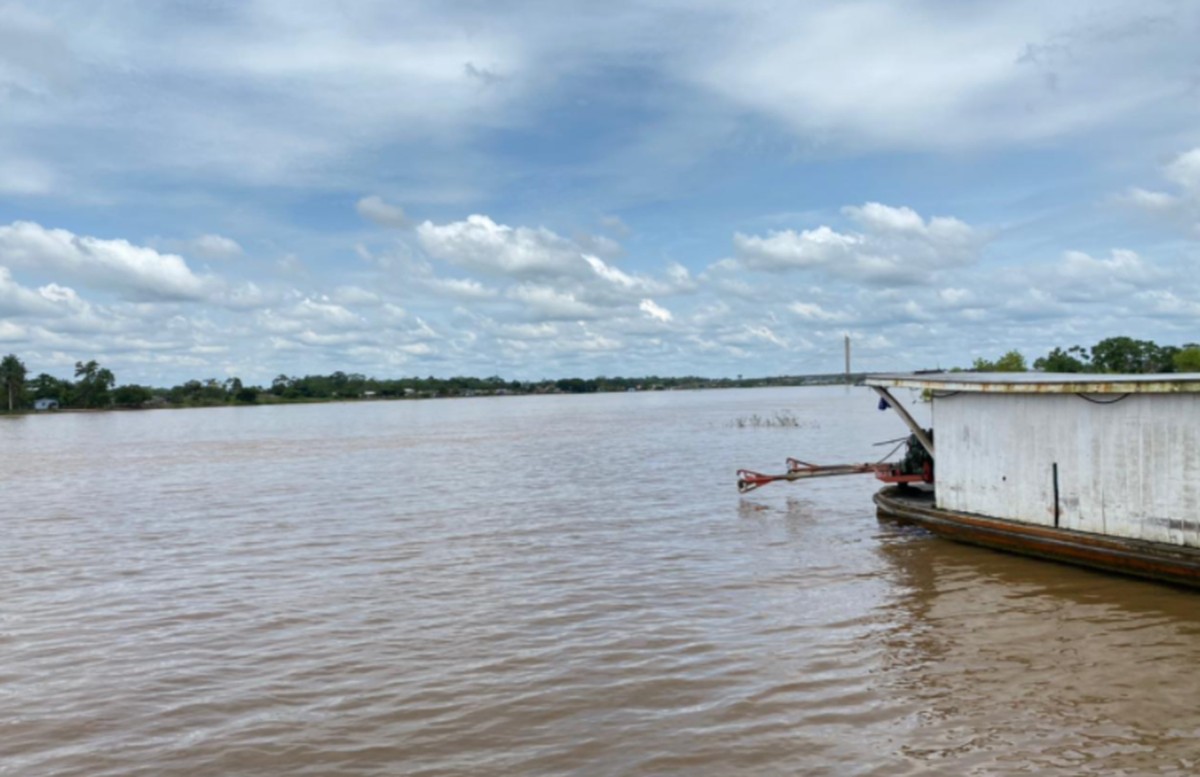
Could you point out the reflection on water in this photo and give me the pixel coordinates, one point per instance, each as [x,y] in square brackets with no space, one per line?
[1020,665]
[543,585]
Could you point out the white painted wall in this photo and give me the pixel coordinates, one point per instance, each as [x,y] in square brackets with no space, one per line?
[1130,469]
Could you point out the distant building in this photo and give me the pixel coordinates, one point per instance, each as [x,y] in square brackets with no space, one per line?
[45,404]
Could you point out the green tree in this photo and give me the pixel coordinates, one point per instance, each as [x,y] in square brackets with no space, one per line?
[1165,358]
[1074,359]
[186,393]
[1126,355]
[46,386]
[12,376]
[1188,358]
[213,391]
[240,393]
[576,385]
[131,395]
[92,388]
[1012,361]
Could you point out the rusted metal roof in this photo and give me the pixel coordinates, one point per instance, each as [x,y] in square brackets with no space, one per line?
[1039,382]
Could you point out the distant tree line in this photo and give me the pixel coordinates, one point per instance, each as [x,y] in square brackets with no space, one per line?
[1111,355]
[95,387]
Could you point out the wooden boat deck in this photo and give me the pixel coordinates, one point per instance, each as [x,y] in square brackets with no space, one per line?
[1176,565]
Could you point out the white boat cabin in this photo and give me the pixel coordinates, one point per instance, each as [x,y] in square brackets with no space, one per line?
[1116,455]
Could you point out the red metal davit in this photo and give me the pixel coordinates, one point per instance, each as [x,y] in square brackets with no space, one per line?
[888,472]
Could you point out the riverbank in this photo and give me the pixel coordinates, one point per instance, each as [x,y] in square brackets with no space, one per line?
[309,390]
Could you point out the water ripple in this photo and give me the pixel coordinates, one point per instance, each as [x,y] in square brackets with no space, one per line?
[554,585]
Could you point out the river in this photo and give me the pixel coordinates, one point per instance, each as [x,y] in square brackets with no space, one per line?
[544,586]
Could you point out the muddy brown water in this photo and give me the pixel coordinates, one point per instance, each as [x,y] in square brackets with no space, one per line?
[544,586]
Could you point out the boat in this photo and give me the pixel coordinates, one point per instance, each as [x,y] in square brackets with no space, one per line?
[1100,471]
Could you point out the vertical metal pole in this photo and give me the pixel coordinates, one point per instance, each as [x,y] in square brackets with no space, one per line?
[847,360]
[1056,507]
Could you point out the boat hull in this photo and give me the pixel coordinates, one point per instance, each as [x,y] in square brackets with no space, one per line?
[1170,564]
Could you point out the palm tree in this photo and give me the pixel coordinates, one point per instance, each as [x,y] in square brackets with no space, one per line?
[93,384]
[12,375]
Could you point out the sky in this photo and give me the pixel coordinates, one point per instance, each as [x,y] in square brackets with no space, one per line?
[557,189]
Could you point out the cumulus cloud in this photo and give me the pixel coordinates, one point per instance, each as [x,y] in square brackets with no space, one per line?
[600,245]
[920,79]
[551,276]
[654,310]
[895,245]
[539,331]
[787,249]
[354,295]
[955,297]
[323,339]
[1035,304]
[327,314]
[483,245]
[57,306]
[117,265]
[16,300]
[1081,278]
[12,332]
[247,296]
[393,314]
[750,333]
[215,247]
[941,231]
[1160,202]
[290,264]
[307,88]
[1185,171]
[317,317]
[1121,265]
[328,99]
[542,281]
[459,288]
[610,274]
[1170,304]
[589,341]
[680,278]
[1183,205]
[547,303]
[623,312]
[810,311]
[374,209]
